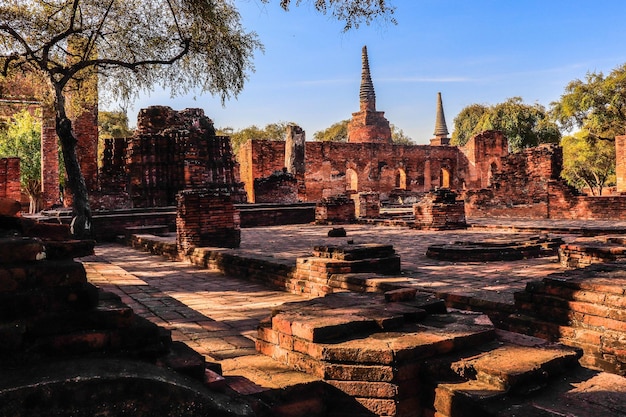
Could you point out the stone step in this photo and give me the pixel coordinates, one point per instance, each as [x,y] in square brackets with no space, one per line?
[354,252]
[518,368]
[33,302]
[21,249]
[513,366]
[20,276]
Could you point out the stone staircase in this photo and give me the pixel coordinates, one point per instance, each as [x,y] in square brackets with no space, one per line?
[61,335]
[405,355]
[585,308]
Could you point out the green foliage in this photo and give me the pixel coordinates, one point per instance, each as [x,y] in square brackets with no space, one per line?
[351,12]
[271,131]
[466,123]
[588,162]
[398,137]
[337,132]
[596,105]
[113,124]
[22,139]
[524,125]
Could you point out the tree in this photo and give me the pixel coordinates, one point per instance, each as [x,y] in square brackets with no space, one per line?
[337,132]
[272,131]
[524,125]
[398,137]
[113,124]
[466,123]
[596,105]
[588,162]
[22,139]
[134,45]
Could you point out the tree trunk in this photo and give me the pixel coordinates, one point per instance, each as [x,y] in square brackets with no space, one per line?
[81,212]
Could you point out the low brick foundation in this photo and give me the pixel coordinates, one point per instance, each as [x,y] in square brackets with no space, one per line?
[440,210]
[584,308]
[335,210]
[206,219]
[586,251]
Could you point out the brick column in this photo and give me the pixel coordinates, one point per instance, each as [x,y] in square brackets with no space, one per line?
[205,218]
[335,210]
[620,163]
[10,178]
[367,204]
[49,159]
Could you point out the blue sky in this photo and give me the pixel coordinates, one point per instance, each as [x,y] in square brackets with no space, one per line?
[479,51]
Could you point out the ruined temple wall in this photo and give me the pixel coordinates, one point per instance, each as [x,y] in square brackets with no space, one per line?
[10,179]
[564,204]
[330,167]
[259,159]
[529,186]
[484,153]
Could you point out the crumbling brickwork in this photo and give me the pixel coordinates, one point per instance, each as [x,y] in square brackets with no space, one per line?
[620,163]
[171,151]
[333,168]
[281,187]
[205,218]
[529,186]
[10,179]
[440,210]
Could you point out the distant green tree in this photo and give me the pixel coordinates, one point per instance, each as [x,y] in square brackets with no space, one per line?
[588,162]
[337,132]
[22,139]
[398,137]
[524,125]
[113,124]
[596,105]
[271,131]
[467,122]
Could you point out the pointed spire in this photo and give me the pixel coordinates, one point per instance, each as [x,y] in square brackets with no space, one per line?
[441,130]
[367,95]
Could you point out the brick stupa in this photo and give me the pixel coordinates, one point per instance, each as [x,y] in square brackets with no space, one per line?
[368,125]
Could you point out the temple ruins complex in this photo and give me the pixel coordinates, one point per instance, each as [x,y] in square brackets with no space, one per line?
[319,279]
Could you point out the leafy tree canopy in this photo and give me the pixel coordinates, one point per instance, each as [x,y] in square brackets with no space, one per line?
[22,139]
[113,124]
[271,131]
[337,132]
[596,105]
[524,125]
[588,162]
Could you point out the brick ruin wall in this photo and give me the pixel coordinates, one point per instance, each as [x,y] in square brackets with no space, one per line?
[529,186]
[620,163]
[10,178]
[170,151]
[484,153]
[334,168]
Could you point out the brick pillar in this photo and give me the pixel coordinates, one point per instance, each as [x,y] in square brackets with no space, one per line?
[440,210]
[205,218]
[367,204]
[86,130]
[49,159]
[295,157]
[620,163]
[10,186]
[335,210]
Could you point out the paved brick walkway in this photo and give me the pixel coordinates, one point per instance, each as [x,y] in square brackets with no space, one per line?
[217,315]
